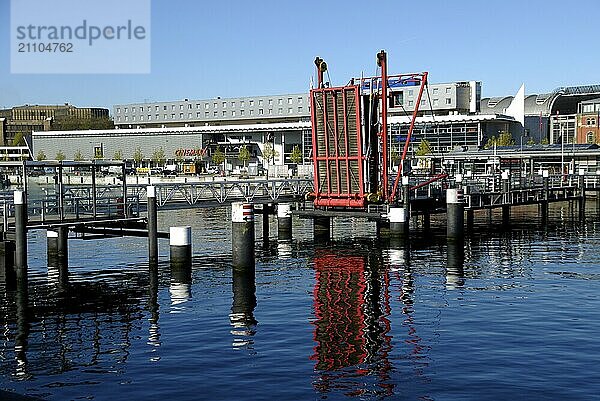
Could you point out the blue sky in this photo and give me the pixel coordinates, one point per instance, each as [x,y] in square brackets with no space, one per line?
[205,49]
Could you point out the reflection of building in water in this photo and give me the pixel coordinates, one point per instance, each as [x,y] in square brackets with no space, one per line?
[242,310]
[350,327]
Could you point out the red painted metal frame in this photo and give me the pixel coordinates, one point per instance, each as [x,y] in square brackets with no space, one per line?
[410,130]
[339,196]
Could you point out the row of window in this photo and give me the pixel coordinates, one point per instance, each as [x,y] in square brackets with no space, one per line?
[398,101]
[233,103]
[207,114]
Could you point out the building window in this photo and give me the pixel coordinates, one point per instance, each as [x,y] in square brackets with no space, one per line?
[215,105]
[586,108]
[224,104]
[206,114]
[198,105]
[251,112]
[126,118]
[591,138]
[149,117]
[260,111]
[206,106]
[165,107]
[232,113]
[398,99]
[260,102]
[141,118]
[299,100]
[411,103]
[270,102]
[172,107]
[164,115]
[290,110]
[241,112]
[133,118]
[280,101]
[436,102]
[157,116]
[410,92]
[422,102]
[232,104]
[125,109]
[180,115]
[198,114]
[172,116]
[156,108]
[448,100]
[289,100]
[189,106]
[214,113]
[118,118]
[241,103]
[224,113]
[435,91]
[300,109]
[448,90]
[118,109]
[590,121]
[189,115]
[251,103]
[280,110]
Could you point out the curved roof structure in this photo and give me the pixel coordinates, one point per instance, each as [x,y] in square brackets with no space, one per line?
[562,100]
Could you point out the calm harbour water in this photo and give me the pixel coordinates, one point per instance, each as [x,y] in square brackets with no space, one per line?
[515,317]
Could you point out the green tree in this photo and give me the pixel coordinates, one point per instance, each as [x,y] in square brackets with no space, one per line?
[78,156]
[158,157]
[503,139]
[60,156]
[424,148]
[19,139]
[296,156]
[72,123]
[269,153]
[40,156]
[218,156]
[138,156]
[118,155]
[244,155]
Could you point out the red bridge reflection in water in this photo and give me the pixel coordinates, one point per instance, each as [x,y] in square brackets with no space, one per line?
[351,330]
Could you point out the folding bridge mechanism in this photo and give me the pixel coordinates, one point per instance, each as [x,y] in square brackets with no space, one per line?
[351,155]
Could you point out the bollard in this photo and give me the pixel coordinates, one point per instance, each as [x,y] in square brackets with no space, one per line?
[322,227]
[152,225]
[506,198]
[267,208]
[57,250]
[470,219]
[581,194]
[406,194]
[180,245]
[399,225]
[52,247]
[284,221]
[7,262]
[20,231]
[180,241]
[544,203]
[242,235]
[454,213]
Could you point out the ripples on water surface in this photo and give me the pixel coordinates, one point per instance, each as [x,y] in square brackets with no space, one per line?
[515,316]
